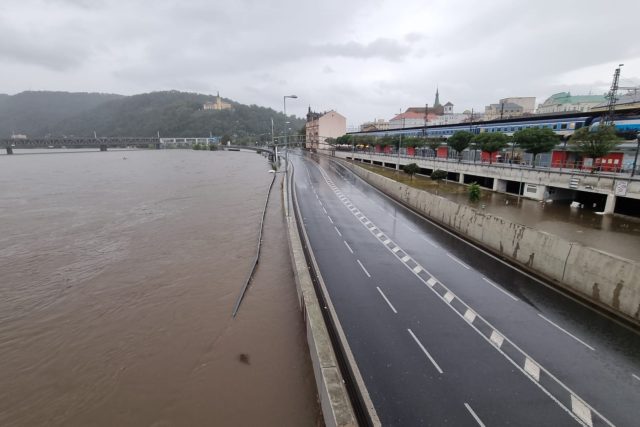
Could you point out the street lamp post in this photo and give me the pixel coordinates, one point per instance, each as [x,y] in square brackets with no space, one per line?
[286,141]
[635,159]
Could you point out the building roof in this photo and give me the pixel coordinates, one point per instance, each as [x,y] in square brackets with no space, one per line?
[632,97]
[567,98]
[413,115]
[448,103]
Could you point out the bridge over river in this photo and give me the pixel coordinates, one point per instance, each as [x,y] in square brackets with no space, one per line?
[9,144]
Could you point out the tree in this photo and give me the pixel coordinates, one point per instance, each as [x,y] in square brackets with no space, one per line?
[595,143]
[491,142]
[411,169]
[434,144]
[535,141]
[225,138]
[330,141]
[459,141]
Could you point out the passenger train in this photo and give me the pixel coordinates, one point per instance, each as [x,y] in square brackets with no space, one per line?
[563,125]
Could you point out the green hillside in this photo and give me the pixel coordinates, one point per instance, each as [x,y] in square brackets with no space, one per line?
[172,113]
[37,113]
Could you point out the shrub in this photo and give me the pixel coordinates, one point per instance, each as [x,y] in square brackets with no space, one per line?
[474,192]
[438,175]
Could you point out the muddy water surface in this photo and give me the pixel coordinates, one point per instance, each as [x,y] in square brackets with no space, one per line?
[118,274]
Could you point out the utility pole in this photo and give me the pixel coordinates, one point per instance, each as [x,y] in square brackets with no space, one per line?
[399,144]
[471,130]
[607,119]
[635,159]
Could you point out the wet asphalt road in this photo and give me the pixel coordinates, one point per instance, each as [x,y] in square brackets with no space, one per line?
[444,334]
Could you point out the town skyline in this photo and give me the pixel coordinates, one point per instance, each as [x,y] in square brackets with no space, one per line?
[364,60]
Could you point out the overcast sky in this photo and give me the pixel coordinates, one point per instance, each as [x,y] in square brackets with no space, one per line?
[365,59]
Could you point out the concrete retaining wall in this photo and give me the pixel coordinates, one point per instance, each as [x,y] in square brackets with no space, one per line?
[608,280]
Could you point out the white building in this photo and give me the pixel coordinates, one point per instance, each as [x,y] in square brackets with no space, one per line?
[565,102]
[321,126]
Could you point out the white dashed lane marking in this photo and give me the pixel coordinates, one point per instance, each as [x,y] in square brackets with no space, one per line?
[424,350]
[562,395]
[337,231]
[348,247]
[458,261]
[363,269]
[500,289]
[387,300]
[474,415]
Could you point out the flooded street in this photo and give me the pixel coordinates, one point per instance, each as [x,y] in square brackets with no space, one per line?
[118,275]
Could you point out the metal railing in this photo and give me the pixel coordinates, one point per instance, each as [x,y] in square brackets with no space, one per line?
[567,166]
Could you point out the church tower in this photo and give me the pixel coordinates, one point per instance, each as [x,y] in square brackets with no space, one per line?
[437,101]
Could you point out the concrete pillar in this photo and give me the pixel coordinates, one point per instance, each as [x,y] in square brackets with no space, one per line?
[103,147]
[610,204]
[499,185]
[9,150]
[461,178]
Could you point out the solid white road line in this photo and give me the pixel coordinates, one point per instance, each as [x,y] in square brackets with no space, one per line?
[387,300]
[458,261]
[348,247]
[330,220]
[635,376]
[424,350]
[363,269]
[474,415]
[337,231]
[568,333]
[500,289]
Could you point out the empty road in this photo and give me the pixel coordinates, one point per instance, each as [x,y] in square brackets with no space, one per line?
[445,334]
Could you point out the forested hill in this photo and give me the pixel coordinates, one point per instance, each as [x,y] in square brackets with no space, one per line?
[171,113]
[35,113]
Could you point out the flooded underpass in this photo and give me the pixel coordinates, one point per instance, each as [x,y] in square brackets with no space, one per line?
[119,272]
[616,234]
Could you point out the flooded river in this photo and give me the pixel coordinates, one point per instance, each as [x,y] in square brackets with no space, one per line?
[118,275]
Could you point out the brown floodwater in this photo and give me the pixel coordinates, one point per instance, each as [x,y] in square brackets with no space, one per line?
[118,275]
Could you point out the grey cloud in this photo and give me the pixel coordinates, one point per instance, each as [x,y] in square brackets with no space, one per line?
[384,48]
